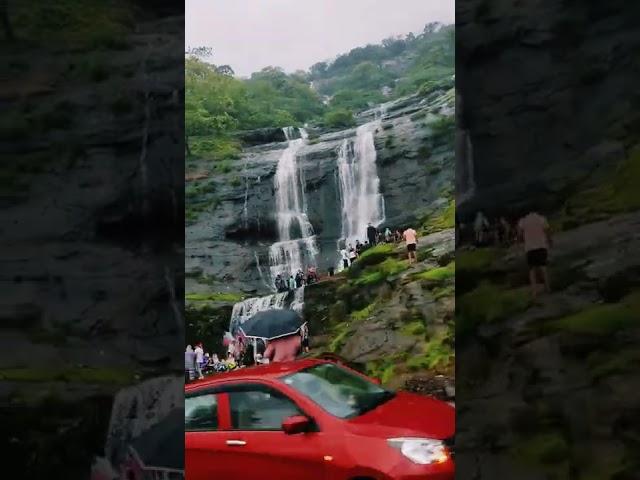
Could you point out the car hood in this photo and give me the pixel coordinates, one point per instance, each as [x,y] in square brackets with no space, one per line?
[409,415]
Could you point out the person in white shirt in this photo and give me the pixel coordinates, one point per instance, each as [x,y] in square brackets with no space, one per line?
[345,258]
[199,351]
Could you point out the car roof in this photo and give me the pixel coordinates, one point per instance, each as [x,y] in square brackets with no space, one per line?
[270,371]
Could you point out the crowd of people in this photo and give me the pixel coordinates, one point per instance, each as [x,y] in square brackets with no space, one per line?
[529,228]
[501,230]
[240,353]
[351,252]
[283,284]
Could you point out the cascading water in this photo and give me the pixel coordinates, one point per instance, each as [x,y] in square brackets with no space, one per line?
[362,202]
[296,246]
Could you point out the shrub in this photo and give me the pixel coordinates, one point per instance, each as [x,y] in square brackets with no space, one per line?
[339,118]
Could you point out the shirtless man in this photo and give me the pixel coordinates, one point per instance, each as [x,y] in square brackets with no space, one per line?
[534,231]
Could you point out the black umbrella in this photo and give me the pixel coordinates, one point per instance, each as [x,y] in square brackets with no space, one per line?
[272,324]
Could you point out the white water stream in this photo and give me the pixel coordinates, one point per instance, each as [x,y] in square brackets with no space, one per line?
[296,246]
[362,202]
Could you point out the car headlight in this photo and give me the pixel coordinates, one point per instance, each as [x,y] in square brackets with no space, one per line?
[423,451]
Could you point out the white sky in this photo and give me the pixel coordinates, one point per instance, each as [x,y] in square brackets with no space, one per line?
[295,34]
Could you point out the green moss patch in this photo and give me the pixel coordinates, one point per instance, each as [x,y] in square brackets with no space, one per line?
[340,332]
[214,297]
[601,320]
[414,329]
[489,303]
[435,353]
[477,260]
[617,194]
[438,275]
[439,221]
[364,313]
[378,273]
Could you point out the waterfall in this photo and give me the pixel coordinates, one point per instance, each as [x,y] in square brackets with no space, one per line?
[362,202]
[243,311]
[296,245]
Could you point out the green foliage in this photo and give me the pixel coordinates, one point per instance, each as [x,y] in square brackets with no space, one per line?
[443,131]
[403,63]
[601,320]
[216,102]
[340,333]
[230,297]
[215,148]
[435,353]
[364,313]
[235,181]
[339,118]
[73,23]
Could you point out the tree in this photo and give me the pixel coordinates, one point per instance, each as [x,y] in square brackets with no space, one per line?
[200,52]
[318,69]
[225,70]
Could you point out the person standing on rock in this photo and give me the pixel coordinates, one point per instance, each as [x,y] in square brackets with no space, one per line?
[353,255]
[535,232]
[411,238]
[189,364]
[199,351]
[345,258]
[292,283]
[372,235]
[480,225]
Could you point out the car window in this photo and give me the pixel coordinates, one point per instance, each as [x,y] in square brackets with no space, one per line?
[340,392]
[201,412]
[260,408]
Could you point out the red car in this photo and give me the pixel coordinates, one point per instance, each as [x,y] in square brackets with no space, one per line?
[313,420]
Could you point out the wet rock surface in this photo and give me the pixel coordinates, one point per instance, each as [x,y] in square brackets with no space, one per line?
[521,71]
[231,237]
[91,233]
[560,372]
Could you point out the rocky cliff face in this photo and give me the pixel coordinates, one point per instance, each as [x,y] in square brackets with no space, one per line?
[229,240]
[549,95]
[92,193]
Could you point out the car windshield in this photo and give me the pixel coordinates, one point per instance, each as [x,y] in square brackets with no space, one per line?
[338,391]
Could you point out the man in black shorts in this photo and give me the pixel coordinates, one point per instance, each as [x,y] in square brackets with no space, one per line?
[535,232]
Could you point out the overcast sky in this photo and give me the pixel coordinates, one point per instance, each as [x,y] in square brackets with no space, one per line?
[295,34]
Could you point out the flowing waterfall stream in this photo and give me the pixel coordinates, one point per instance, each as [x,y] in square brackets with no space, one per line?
[296,246]
[362,202]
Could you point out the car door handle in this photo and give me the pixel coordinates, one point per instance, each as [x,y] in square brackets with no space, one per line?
[236,443]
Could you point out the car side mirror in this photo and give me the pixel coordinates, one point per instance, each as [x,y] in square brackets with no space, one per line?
[296,424]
